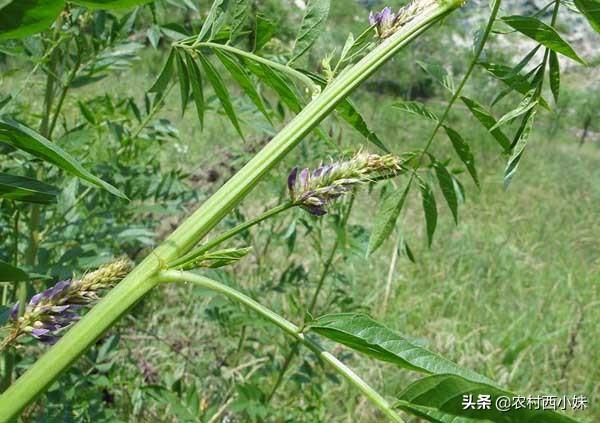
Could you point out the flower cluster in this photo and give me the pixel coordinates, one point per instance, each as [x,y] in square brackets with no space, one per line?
[313,191]
[56,308]
[387,22]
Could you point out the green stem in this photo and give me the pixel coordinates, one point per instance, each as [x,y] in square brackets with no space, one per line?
[463,82]
[313,302]
[139,282]
[152,113]
[289,328]
[229,234]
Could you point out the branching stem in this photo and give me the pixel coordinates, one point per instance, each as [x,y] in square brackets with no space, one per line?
[288,327]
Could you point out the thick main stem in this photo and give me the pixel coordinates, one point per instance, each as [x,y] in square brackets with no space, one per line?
[290,329]
[127,293]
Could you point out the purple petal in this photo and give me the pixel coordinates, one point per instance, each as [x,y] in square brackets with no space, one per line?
[373,19]
[37,333]
[292,179]
[304,178]
[35,299]
[314,210]
[14,311]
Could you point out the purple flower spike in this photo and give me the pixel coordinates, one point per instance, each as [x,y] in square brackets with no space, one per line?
[383,21]
[327,183]
[54,309]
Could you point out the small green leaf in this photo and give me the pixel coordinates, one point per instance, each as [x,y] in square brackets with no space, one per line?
[521,141]
[591,10]
[184,81]
[243,79]
[197,91]
[529,102]
[217,259]
[221,91]
[464,152]
[386,218]
[264,31]
[10,273]
[21,18]
[514,79]
[238,17]
[442,398]
[488,121]
[20,188]
[543,34]
[363,334]
[160,85]
[352,116]
[211,18]
[416,108]
[430,210]
[87,113]
[447,187]
[439,74]
[555,74]
[26,139]
[278,82]
[313,23]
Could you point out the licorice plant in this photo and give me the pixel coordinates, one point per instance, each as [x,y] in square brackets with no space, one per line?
[54,316]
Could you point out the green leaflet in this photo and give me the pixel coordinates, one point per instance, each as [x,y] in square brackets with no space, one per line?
[20,188]
[184,81]
[554,74]
[439,74]
[26,139]
[21,18]
[416,108]
[363,334]
[521,141]
[591,10]
[243,79]
[430,210]
[439,399]
[447,186]
[464,152]
[264,31]
[160,85]
[221,92]
[515,80]
[313,23]
[352,116]
[239,15]
[10,273]
[386,218]
[277,81]
[529,102]
[197,90]
[488,121]
[543,34]
[211,19]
